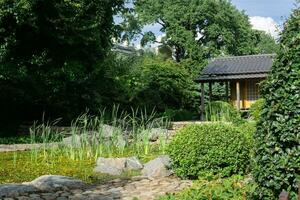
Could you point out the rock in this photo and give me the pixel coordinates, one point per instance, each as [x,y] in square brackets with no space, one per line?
[115,166]
[14,190]
[74,140]
[155,133]
[52,183]
[133,163]
[158,167]
[112,166]
[108,131]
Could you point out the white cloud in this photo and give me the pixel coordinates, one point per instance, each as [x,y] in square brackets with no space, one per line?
[266,24]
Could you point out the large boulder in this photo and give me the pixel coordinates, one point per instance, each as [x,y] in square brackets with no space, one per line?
[53,182]
[159,167]
[116,166]
[14,190]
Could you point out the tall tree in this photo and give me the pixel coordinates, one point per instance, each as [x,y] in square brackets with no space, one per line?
[49,50]
[264,43]
[278,133]
[197,29]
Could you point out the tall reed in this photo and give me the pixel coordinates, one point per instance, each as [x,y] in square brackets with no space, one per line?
[116,133]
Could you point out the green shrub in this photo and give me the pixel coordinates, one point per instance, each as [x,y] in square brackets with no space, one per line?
[215,148]
[233,188]
[248,129]
[161,84]
[277,138]
[222,111]
[256,108]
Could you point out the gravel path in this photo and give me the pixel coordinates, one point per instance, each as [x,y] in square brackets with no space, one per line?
[140,188]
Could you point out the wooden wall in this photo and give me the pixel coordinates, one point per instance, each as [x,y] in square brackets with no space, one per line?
[247,97]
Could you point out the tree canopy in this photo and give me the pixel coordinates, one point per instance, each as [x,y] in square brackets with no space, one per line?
[264,43]
[49,52]
[197,29]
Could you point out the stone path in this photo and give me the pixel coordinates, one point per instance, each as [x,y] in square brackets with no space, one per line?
[23,147]
[140,188]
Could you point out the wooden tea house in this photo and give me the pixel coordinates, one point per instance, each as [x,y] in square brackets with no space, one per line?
[241,76]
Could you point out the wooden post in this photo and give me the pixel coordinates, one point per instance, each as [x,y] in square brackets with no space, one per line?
[238,95]
[210,91]
[202,102]
[284,196]
[227,91]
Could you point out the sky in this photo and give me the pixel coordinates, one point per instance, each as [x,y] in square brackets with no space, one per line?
[265,15]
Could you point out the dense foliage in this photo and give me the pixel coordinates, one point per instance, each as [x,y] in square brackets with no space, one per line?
[264,43]
[56,59]
[215,148]
[163,84]
[199,29]
[50,55]
[234,188]
[277,138]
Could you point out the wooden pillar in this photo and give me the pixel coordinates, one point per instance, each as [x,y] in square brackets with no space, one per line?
[284,196]
[202,102]
[227,91]
[238,95]
[210,91]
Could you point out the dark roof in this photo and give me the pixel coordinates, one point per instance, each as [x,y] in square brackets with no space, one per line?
[238,67]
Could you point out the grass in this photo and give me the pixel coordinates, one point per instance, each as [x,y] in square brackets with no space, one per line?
[17,167]
[78,158]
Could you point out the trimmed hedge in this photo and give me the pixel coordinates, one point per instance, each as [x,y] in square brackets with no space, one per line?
[278,133]
[214,148]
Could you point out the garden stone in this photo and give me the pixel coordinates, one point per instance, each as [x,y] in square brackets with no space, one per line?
[158,167]
[108,131]
[13,190]
[112,166]
[115,166]
[74,140]
[155,133]
[133,163]
[52,182]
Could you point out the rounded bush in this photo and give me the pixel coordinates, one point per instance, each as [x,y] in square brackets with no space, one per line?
[215,148]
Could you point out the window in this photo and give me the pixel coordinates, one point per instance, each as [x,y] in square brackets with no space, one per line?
[253,90]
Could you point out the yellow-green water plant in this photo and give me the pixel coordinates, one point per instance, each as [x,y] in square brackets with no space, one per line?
[92,136]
